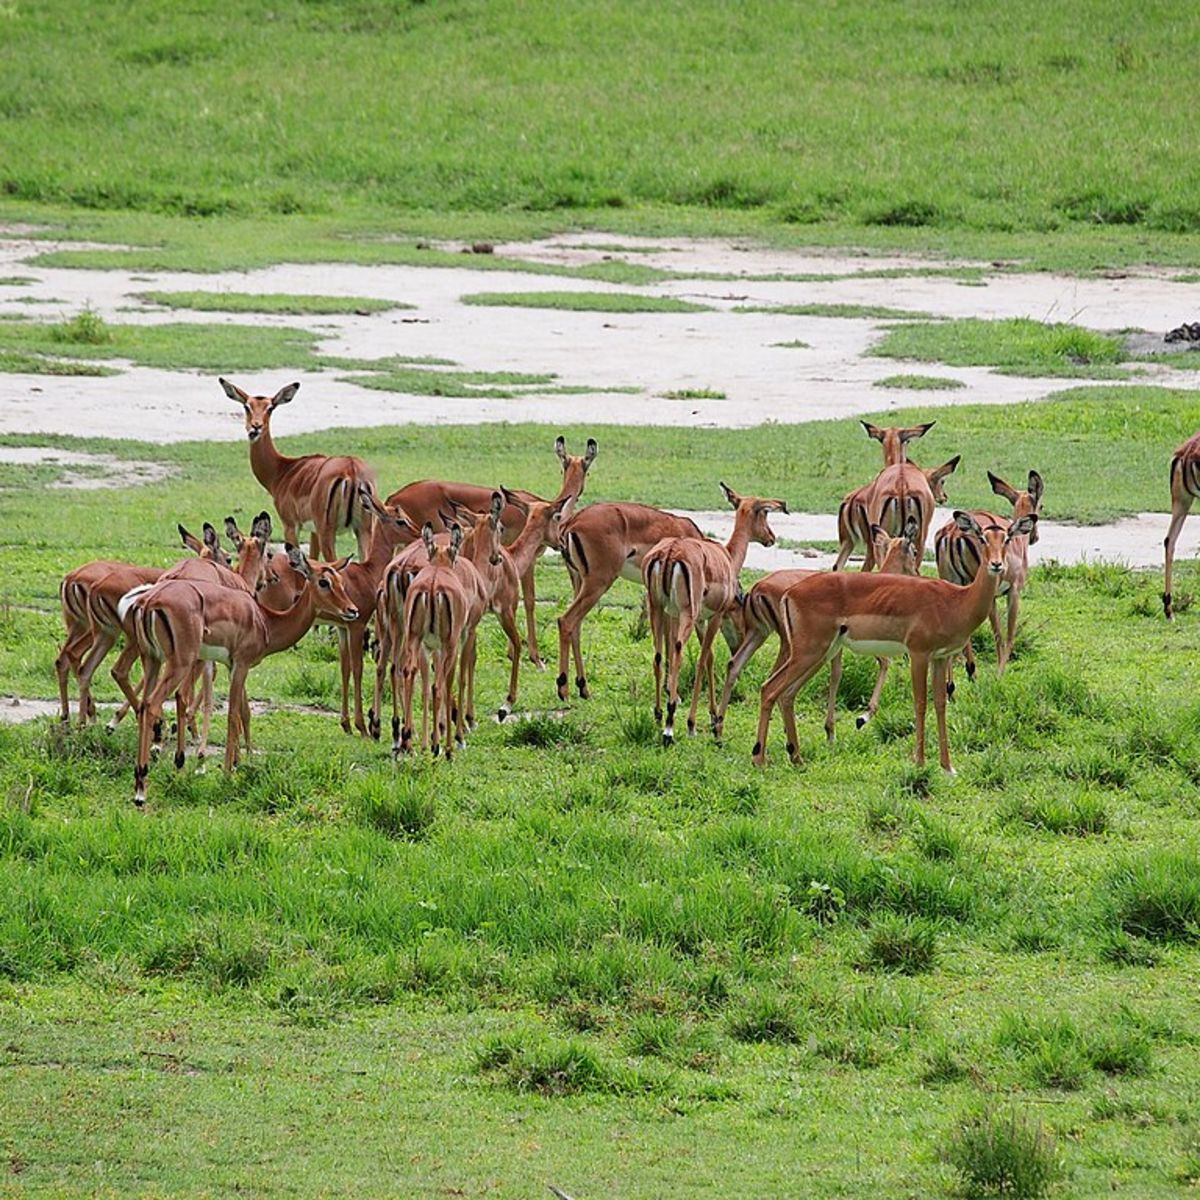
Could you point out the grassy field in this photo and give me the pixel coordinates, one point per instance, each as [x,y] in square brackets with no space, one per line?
[571,957]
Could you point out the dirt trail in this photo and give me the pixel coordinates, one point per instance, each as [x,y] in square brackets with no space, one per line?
[737,354]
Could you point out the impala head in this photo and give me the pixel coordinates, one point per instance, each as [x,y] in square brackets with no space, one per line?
[252,549]
[1028,501]
[575,469]
[258,409]
[895,440]
[391,519]
[755,510]
[325,579]
[897,555]
[546,515]
[937,478]
[443,555]
[993,540]
[495,528]
[210,548]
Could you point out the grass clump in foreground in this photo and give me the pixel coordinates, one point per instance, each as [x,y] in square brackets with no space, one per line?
[271,302]
[858,312]
[1017,346]
[605,302]
[1003,1154]
[1156,898]
[920,383]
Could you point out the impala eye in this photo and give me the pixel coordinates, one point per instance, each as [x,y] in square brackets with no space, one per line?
[325,584]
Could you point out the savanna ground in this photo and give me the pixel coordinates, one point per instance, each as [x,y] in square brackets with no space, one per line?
[570,957]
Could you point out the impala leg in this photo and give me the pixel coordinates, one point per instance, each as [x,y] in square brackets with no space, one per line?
[998,637]
[383,658]
[845,549]
[1180,507]
[120,672]
[920,683]
[244,717]
[238,710]
[449,691]
[969,658]
[358,650]
[343,637]
[182,705]
[157,687]
[745,652]
[402,675]
[794,672]
[679,631]
[1014,604]
[67,663]
[423,665]
[939,707]
[206,706]
[529,599]
[787,709]
[508,622]
[102,643]
[658,625]
[704,666]
[569,625]
[835,680]
[877,694]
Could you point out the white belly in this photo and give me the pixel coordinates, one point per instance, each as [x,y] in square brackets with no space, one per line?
[217,654]
[877,649]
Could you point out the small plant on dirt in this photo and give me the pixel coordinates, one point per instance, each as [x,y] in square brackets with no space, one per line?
[694,394]
[1003,1154]
[86,328]
[906,945]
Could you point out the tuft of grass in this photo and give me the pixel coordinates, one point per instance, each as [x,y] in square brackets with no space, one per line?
[887,814]
[637,727]
[543,731]
[1003,1154]
[85,328]
[1124,950]
[400,807]
[920,383]
[694,394]
[1157,898]
[766,1017]
[945,1062]
[1018,346]
[605,302]
[1082,814]
[937,840]
[269,302]
[794,344]
[854,312]
[905,945]
[554,1068]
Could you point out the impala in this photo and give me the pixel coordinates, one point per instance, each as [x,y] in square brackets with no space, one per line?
[180,622]
[691,585]
[895,440]
[599,544]
[760,615]
[854,522]
[1185,487]
[428,499]
[958,561]
[315,489]
[905,490]
[927,619]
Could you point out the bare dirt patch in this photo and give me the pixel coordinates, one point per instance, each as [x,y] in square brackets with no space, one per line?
[101,470]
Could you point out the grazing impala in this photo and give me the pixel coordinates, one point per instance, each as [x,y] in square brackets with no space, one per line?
[902,491]
[180,622]
[89,640]
[692,584]
[1185,487]
[599,544]
[958,561]
[760,614]
[315,489]
[854,522]
[928,619]
[428,499]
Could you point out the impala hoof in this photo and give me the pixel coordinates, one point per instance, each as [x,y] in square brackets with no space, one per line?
[503,712]
[859,722]
[179,760]
[561,684]
[668,737]
[582,687]
[971,671]
[950,691]
[1166,599]
[691,728]
[950,772]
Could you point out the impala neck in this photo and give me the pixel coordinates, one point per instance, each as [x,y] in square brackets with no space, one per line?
[285,629]
[528,546]
[265,461]
[739,541]
[982,591]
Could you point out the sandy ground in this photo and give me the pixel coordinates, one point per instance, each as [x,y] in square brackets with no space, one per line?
[737,354]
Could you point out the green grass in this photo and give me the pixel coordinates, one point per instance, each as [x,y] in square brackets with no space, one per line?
[694,394]
[607,302]
[920,383]
[1015,347]
[849,311]
[16,280]
[274,302]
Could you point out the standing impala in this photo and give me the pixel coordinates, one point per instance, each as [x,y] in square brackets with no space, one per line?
[958,561]
[315,489]
[600,544]
[902,491]
[1185,487]
[854,521]
[181,621]
[691,585]
[427,499]
[927,619]
[761,614]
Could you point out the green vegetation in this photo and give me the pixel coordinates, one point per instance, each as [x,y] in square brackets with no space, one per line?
[16,280]
[851,311]
[920,383]
[1018,346]
[694,394]
[609,302]
[1003,1155]
[245,302]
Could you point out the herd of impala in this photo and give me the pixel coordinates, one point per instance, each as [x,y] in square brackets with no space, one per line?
[435,557]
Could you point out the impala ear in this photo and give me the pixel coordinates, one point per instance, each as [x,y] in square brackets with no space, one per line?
[260,528]
[556,509]
[968,524]
[284,395]
[947,468]
[234,392]
[873,431]
[233,533]
[456,541]
[427,538]
[1035,488]
[515,500]
[298,561]
[459,513]
[210,538]
[560,448]
[916,431]
[590,455]
[497,507]
[1001,488]
[342,563]
[780,506]
[730,495]
[190,540]
[1022,527]
[878,533]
